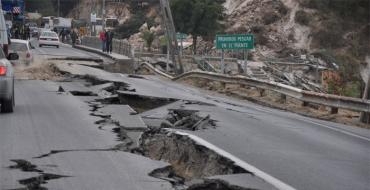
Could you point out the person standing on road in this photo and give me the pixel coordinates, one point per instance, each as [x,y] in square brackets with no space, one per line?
[63,34]
[74,37]
[28,33]
[109,38]
[103,40]
[24,32]
[16,32]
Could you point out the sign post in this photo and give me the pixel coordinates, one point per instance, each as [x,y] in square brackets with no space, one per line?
[234,42]
[245,57]
[223,61]
[181,37]
[93,22]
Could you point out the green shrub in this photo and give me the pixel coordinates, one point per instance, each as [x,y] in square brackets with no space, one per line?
[133,25]
[148,36]
[352,89]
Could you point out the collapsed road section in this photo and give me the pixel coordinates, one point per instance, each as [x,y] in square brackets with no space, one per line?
[191,165]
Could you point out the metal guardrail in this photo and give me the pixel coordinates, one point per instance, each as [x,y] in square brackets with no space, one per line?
[119,46]
[333,101]
[151,67]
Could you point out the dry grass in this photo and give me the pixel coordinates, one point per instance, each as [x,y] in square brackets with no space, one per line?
[274,100]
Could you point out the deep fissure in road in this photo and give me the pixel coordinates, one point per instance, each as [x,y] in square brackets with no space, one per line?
[188,160]
[143,103]
[187,120]
[216,184]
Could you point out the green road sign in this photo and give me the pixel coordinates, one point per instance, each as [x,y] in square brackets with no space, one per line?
[235,41]
[181,36]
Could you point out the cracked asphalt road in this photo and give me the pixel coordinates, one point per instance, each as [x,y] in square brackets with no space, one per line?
[302,152]
[45,120]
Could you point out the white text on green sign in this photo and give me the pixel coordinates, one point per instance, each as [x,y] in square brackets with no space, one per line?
[235,41]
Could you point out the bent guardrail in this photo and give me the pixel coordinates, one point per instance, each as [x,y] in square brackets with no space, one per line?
[334,101]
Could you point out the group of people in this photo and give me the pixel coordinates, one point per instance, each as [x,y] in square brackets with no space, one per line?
[64,33]
[106,38]
[20,32]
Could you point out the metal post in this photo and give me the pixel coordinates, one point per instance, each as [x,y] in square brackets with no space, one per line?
[182,48]
[317,70]
[24,13]
[245,61]
[58,8]
[171,34]
[223,62]
[168,56]
[103,14]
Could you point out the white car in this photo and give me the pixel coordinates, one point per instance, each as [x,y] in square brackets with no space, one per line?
[49,38]
[23,49]
[7,82]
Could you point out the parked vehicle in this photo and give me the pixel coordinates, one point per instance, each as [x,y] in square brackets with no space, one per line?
[49,38]
[7,82]
[62,22]
[98,26]
[23,49]
[111,23]
[47,22]
[34,32]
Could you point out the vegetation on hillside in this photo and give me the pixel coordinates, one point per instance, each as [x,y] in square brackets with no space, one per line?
[343,29]
[148,36]
[132,26]
[198,18]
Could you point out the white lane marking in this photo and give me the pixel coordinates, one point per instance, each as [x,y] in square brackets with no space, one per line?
[257,172]
[338,130]
[310,121]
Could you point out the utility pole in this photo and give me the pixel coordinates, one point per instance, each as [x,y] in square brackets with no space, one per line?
[103,14]
[58,8]
[171,36]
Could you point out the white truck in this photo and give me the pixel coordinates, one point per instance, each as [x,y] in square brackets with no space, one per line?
[47,22]
[62,22]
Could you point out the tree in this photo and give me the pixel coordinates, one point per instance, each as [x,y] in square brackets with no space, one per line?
[198,17]
[132,26]
[148,37]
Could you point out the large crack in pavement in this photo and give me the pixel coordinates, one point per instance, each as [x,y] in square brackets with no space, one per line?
[188,160]
[52,152]
[216,184]
[33,183]
[187,120]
